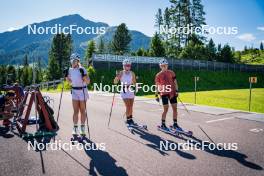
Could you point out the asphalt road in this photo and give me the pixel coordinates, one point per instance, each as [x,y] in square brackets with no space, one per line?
[139,153]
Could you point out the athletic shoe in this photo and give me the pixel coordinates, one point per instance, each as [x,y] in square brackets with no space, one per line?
[82,130]
[130,121]
[163,126]
[176,127]
[75,130]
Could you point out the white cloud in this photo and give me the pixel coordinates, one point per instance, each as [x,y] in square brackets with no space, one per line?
[11,29]
[261,28]
[247,37]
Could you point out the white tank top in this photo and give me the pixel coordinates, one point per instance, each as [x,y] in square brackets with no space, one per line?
[76,77]
[126,78]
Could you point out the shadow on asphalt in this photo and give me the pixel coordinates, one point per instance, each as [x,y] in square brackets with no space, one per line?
[156,143]
[239,157]
[4,132]
[155,140]
[103,163]
[221,152]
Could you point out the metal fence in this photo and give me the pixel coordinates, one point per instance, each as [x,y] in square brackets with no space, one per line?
[109,61]
[47,85]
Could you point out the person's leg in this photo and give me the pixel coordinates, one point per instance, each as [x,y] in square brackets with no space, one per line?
[128,111]
[165,102]
[131,103]
[126,102]
[75,104]
[173,102]
[164,113]
[82,110]
[83,116]
[175,113]
[130,117]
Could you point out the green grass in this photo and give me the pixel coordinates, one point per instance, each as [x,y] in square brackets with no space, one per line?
[253,58]
[220,88]
[50,90]
[209,80]
[234,99]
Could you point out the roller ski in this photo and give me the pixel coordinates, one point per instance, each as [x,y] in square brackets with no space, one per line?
[75,138]
[131,124]
[135,125]
[129,128]
[165,129]
[78,137]
[178,130]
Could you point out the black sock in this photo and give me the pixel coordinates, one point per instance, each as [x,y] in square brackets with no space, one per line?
[175,121]
[163,122]
[130,116]
[129,119]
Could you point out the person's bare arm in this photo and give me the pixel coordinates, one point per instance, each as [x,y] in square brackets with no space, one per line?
[176,85]
[68,79]
[157,84]
[86,79]
[118,76]
[66,75]
[134,80]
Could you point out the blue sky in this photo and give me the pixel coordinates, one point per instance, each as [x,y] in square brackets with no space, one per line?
[247,15]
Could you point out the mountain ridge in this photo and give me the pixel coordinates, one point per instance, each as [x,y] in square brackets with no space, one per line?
[15,44]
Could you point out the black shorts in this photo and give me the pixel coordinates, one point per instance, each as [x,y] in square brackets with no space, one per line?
[165,99]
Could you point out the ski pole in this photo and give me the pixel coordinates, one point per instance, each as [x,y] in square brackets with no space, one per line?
[157,98]
[65,72]
[88,129]
[198,125]
[58,114]
[110,115]
[206,134]
[184,106]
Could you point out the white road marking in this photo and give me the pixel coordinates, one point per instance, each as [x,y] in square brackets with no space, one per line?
[256,130]
[153,110]
[228,118]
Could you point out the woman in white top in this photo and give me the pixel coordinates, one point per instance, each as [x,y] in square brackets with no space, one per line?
[78,78]
[127,78]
